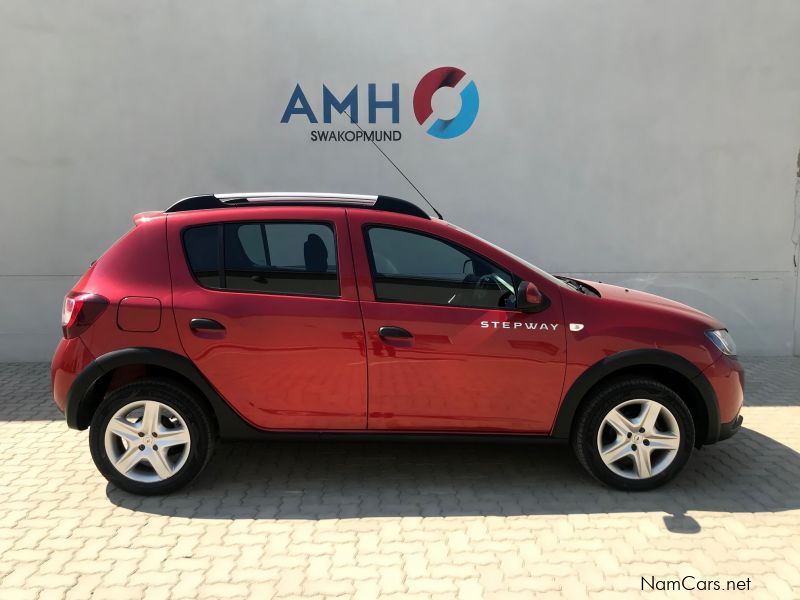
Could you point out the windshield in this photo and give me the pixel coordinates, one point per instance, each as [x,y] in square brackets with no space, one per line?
[537,270]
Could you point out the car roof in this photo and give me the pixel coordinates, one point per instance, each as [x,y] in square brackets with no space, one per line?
[233,200]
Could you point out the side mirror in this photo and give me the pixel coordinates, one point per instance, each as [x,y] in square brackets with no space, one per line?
[529,298]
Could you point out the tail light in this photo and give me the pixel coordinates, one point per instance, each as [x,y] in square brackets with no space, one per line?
[80,311]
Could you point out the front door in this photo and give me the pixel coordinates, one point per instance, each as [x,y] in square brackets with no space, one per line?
[267,309]
[448,350]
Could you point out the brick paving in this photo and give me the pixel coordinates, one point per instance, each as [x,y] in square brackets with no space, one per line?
[397,520]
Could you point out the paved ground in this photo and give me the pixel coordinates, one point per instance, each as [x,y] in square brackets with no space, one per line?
[397,520]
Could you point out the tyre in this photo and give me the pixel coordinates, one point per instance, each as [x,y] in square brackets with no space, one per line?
[151,437]
[634,434]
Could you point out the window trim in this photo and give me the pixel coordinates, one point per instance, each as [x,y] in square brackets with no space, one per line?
[373,271]
[221,255]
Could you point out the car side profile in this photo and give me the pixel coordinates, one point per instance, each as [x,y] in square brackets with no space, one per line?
[257,316]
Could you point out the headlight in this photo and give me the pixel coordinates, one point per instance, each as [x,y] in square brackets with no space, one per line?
[722,340]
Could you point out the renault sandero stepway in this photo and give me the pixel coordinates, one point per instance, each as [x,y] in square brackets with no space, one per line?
[256,316]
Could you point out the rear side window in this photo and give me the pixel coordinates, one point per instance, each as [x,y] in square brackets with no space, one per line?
[269,257]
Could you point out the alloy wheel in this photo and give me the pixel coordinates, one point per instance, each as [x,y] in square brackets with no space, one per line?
[638,439]
[147,441]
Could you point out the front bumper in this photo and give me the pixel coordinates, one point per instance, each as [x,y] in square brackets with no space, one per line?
[726,377]
[726,430]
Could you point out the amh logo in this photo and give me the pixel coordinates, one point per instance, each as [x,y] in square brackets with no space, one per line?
[299,105]
[432,81]
[423,107]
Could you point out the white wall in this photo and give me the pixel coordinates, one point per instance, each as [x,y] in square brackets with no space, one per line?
[650,144]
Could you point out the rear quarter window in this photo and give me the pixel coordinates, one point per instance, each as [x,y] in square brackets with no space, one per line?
[202,251]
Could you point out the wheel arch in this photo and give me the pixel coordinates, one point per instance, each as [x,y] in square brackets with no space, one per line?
[115,368]
[666,367]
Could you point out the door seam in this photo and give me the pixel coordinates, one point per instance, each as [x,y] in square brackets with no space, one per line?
[361,313]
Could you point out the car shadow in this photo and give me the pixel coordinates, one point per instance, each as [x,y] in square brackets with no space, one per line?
[341,480]
[330,480]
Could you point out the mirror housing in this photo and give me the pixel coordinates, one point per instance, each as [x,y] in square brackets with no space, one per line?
[529,298]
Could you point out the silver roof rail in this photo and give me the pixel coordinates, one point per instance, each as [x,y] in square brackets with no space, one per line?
[212,201]
[305,197]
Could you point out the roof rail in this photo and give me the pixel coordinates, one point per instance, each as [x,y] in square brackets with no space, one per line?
[309,196]
[384,203]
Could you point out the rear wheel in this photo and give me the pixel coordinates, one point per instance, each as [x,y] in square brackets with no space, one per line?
[634,434]
[150,437]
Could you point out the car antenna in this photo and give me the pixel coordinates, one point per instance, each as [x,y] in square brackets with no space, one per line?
[411,183]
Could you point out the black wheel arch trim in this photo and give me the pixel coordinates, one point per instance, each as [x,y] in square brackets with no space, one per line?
[231,424]
[645,357]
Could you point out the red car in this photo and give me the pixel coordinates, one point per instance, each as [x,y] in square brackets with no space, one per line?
[251,316]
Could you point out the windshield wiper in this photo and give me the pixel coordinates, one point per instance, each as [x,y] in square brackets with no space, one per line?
[575,283]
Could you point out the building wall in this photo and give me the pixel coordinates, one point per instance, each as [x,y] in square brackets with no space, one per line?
[648,144]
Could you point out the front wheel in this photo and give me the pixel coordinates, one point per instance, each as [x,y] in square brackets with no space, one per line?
[150,437]
[634,435]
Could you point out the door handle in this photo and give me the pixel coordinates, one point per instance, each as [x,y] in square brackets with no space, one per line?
[390,331]
[196,324]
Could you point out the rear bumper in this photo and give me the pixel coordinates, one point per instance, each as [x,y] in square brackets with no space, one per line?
[70,359]
[726,430]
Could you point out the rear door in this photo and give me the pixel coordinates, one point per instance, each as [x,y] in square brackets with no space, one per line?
[266,307]
[448,350]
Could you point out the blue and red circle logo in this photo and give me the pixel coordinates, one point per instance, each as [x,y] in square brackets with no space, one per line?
[423,108]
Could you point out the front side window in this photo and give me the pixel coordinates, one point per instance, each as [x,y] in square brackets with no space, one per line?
[420,269]
[271,257]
